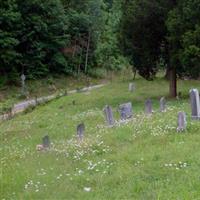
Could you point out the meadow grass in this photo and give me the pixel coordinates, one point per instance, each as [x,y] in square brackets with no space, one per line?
[142,158]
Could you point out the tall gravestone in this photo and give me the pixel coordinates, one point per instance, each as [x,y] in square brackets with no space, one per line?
[131,87]
[182,123]
[148,107]
[195,104]
[46,141]
[109,115]
[162,104]
[23,89]
[80,131]
[125,111]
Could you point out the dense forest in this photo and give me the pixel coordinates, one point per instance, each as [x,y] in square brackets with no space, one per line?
[42,37]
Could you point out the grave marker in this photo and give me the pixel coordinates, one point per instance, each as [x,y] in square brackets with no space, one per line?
[131,87]
[46,141]
[182,123]
[195,104]
[109,115]
[80,131]
[23,89]
[125,111]
[162,104]
[148,107]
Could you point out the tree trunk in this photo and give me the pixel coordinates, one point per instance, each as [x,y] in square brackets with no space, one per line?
[172,83]
[87,52]
[134,74]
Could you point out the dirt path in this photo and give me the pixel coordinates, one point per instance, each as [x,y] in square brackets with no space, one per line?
[20,107]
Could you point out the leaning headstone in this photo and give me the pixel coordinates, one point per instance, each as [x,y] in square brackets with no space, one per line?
[80,131]
[181,121]
[46,141]
[131,87]
[195,104]
[109,115]
[125,111]
[148,106]
[162,104]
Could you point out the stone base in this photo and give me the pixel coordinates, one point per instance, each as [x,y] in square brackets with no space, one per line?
[195,117]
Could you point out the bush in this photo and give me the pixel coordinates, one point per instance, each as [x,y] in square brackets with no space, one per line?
[97,72]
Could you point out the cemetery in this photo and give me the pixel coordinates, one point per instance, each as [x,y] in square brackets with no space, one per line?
[100,100]
[110,144]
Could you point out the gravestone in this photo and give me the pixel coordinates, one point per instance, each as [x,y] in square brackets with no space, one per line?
[162,104]
[125,111]
[46,141]
[181,121]
[148,106]
[23,90]
[80,131]
[109,115]
[131,87]
[195,104]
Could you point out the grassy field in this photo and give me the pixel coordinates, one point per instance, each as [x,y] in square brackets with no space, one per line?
[143,158]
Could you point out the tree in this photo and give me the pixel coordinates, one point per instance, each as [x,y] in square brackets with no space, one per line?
[184,38]
[108,54]
[143,33]
[157,29]
[42,37]
[10,24]
[32,35]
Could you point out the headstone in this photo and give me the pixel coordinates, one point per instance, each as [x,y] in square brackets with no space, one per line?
[181,121]
[23,90]
[46,141]
[80,131]
[195,104]
[125,111]
[131,87]
[148,106]
[162,104]
[109,115]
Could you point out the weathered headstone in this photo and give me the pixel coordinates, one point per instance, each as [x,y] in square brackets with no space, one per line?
[125,111]
[148,106]
[46,141]
[23,90]
[131,87]
[80,131]
[182,123]
[109,115]
[195,104]
[162,104]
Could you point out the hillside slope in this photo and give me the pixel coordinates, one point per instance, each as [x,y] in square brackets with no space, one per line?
[142,158]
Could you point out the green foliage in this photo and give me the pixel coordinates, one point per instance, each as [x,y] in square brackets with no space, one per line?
[107,53]
[97,72]
[32,35]
[40,38]
[70,36]
[10,25]
[43,36]
[143,33]
[154,31]
[184,37]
